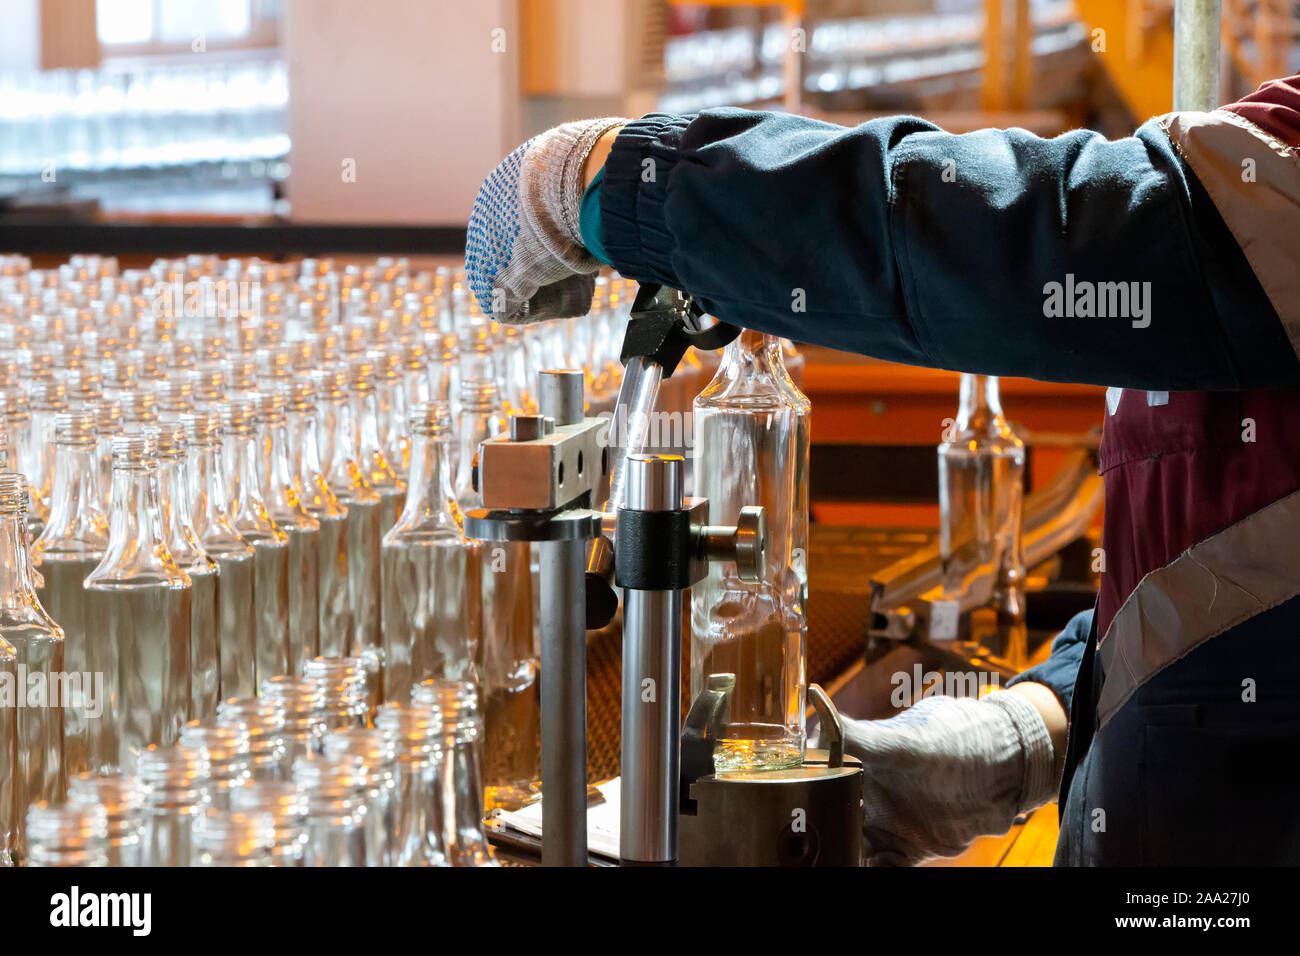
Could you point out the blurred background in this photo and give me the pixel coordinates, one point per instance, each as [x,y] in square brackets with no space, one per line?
[389,112]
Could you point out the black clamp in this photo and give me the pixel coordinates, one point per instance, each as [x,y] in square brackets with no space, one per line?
[664,323]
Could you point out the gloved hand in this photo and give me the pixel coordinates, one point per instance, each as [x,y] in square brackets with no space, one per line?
[524,258]
[947,770]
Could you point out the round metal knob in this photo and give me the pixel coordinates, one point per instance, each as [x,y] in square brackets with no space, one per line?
[751,543]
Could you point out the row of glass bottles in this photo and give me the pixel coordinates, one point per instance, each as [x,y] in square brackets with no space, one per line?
[296,777]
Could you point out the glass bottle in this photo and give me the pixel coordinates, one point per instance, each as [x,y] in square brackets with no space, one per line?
[222,838]
[376,754]
[108,422]
[118,794]
[430,570]
[336,810]
[289,513]
[68,834]
[747,434]
[303,705]
[270,543]
[38,644]
[287,806]
[366,421]
[236,648]
[981,482]
[8,758]
[223,758]
[507,655]
[349,484]
[139,599]
[416,733]
[459,789]
[71,546]
[391,405]
[313,491]
[183,542]
[172,794]
[264,721]
[344,685]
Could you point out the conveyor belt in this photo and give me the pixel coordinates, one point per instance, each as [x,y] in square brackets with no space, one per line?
[841,559]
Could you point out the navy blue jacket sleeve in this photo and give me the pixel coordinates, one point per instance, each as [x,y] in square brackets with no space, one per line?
[1062,666]
[898,240]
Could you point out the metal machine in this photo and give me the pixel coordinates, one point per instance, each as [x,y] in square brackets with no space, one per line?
[543,482]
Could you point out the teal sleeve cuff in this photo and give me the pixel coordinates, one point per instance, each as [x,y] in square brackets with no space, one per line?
[589,219]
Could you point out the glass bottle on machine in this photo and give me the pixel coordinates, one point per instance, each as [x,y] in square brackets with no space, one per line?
[139,599]
[236,652]
[313,491]
[507,655]
[747,432]
[287,511]
[37,642]
[430,570]
[71,546]
[270,543]
[981,482]
[183,542]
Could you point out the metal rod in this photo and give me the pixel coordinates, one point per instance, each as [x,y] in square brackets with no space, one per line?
[564,703]
[1196,54]
[651,760]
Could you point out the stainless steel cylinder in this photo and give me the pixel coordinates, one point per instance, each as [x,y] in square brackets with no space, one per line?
[560,395]
[652,649]
[564,703]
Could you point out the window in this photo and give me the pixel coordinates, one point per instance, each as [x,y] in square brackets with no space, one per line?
[130,27]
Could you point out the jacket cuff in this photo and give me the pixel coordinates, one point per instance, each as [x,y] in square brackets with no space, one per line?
[632,214]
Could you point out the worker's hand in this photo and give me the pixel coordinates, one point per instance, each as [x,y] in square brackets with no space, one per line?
[524,257]
[947,770]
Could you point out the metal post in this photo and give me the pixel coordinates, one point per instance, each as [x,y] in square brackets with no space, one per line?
[1196,54]
[652,638]
[564,703]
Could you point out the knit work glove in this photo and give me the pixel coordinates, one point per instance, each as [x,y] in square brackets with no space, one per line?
[524,257]
[947,770]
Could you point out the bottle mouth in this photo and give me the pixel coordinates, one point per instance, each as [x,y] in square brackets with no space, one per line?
[74,428]
[135,450]
[14,497]
[67,826]
[430,419]
[478,395]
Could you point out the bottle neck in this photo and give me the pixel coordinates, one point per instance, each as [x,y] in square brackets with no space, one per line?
[277,476]
[177,520]
[477,423]
[78,522]
[980,405]
[247,505]
[308,476]
[137,547]
[430,488]
[17,589]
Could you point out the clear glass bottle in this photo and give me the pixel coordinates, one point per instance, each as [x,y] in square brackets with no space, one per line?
[430,570]
[222,838]
[140,600]
[289,513]
[249,515]
[981,483]
[223,757]
[71,546]
[172,794]
[344,685]
[747,434]
[118,794]
[38,644]
[188,553]
[8,758]
[303,705]
[264,722]
[508,660]
[459,788]
[366,420]
[287,806]
[69,834]
[236,631]
[376,754]
[347,480]
[417,735]
[335,789]
[333,622]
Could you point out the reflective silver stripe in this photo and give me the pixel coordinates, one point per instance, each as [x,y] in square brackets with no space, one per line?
[1254,180]
[1211,587]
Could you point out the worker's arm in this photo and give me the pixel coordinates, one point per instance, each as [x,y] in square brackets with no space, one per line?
[982,251]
